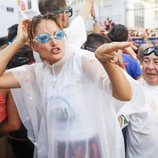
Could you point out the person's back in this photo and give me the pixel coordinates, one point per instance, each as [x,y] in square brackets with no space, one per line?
[119,33]
[132,68]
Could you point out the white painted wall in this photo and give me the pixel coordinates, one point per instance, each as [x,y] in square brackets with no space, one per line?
[8,18]
[150,19]
[113,9]
[122,11]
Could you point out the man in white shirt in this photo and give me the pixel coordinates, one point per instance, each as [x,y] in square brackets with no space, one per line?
[142,139]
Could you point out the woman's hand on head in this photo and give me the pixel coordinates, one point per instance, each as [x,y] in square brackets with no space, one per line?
[22,34]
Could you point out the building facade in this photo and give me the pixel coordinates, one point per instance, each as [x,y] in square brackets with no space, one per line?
[8,15]
[132,13]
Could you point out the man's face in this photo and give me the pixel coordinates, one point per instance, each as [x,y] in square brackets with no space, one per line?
[52,50]
[150,69]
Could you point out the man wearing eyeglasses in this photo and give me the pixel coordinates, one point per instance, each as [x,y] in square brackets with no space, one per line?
[142,140]
[76,31]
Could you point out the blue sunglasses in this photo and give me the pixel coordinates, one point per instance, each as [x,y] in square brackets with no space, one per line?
[45,38]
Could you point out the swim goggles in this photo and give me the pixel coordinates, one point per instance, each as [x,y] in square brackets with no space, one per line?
[45,38]
[151,50]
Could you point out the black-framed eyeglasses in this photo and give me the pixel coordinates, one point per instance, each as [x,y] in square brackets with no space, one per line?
[68,11]
[151,50]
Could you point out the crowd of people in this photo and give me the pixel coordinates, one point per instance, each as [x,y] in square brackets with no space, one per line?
[68,94]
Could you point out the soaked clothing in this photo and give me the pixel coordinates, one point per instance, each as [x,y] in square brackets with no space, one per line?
[69,108]
[142,139]
[78,149]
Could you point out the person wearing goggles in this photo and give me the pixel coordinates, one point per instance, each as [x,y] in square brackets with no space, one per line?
[68,96]
[75,32]
[150,65]
[142,139]
[45,38]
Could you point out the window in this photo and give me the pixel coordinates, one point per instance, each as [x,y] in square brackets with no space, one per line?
[139,15]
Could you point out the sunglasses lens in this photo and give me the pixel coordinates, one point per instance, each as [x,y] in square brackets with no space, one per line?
[43,38]
[59,35]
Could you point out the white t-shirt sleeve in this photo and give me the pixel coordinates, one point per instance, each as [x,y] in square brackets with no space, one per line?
[76,32]
[23,74]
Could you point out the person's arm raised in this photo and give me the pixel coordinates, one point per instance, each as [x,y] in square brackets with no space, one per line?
[120,85]
[86,9]
[7,80]
[96,25]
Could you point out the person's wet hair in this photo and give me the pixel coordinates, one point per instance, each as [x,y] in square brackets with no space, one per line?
[36,20]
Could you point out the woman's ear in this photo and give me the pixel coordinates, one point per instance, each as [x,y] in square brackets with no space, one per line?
[34,46]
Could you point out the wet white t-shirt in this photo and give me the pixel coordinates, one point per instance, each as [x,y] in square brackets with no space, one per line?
[69,102]
[142,136]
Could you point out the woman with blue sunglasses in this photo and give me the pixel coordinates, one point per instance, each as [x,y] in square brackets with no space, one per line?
[69,97]
[75,31]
